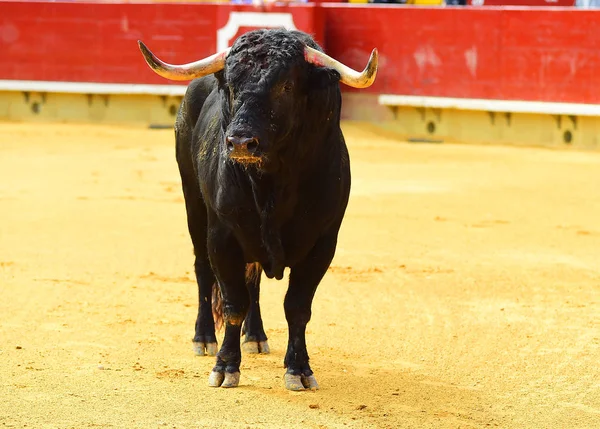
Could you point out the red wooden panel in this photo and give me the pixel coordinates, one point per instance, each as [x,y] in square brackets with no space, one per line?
[422,51]
[529,54]
[97,42]
[549,54]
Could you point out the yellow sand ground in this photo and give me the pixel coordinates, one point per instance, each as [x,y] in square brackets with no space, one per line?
[465,291]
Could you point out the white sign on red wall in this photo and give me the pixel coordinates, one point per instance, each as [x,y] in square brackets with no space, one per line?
[246,21]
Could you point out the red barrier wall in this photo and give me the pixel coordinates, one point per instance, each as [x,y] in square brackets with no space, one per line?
[97,42]
[545,54]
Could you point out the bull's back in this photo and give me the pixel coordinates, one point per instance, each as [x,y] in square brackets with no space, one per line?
[187,118]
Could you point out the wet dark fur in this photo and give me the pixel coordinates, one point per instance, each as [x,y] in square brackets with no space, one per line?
[284,211]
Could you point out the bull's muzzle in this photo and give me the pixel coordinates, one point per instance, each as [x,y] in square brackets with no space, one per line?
[243,149]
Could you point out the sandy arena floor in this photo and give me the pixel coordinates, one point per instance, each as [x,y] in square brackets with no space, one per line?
[465,292]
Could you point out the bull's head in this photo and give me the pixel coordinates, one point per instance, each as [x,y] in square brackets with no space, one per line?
[272,83]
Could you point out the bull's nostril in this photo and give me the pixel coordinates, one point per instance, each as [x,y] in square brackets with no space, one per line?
[230,143]
[252,146]
[248,144]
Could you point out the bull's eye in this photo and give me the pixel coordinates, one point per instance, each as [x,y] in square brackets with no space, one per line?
[286,87]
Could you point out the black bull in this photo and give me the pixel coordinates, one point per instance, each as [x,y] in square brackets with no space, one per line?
[266,179]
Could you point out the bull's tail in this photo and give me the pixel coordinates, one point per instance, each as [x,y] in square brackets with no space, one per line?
[253,272]
[217,306]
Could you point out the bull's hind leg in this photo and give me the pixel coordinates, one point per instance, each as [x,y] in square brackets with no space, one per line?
[227,260]
[205,341]
[304,279]
[255,340]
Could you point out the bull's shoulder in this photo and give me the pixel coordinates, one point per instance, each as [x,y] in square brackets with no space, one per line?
[194,106]
[327,187]
[195,97]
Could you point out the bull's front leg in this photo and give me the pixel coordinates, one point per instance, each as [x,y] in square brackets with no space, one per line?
[304,279]
[228,264]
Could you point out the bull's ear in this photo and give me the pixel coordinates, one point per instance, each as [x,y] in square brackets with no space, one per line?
[322,77]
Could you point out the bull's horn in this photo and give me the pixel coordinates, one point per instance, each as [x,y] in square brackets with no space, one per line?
[189,71]
[348,76]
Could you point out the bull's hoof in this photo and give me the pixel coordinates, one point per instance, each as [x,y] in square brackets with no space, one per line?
[255,347]
[310,382]
[215,379]
[231,379]
[224,379]
[205,349]
[300,382]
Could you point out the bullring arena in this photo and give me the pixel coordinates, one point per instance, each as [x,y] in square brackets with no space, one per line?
[463,294]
